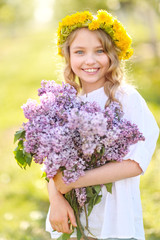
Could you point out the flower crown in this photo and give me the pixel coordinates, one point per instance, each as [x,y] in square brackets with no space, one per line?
[103,20]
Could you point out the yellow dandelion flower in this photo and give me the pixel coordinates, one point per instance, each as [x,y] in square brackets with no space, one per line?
[121,55]
[75,20]
[59,51]
[93,25]
[121,45]
[59,33]
[125,55]
[117,26]
[85,16]
[129,53]
[105,17]
[68,21]
[82,19]
[104,21]
[124,42]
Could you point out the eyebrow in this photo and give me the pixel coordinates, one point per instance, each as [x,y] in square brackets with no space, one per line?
[77,47]
[81,47]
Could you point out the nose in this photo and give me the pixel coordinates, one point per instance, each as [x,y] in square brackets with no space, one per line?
[90,59]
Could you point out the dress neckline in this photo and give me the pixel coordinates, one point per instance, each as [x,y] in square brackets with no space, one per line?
[92,93]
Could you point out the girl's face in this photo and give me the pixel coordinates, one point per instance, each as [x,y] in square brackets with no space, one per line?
[88,60]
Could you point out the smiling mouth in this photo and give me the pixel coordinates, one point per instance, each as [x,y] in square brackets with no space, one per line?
[91,70]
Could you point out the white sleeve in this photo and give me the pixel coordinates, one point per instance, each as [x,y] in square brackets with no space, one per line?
[136,110]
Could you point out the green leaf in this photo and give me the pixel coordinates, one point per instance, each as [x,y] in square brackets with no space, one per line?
[97,188]
[93,201]
[109,187]
[15,150]
[19,156]
[97,199]
[93,158]
[89,192]
[64,236]
[74,204]
[28,158]
[20,144]
[68,197]
[102,151]
[90,206]
[47,179]
[19,134]
[79,234]
[44,175]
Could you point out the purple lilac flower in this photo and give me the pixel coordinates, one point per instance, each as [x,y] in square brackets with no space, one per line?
[65,133]
[81,196]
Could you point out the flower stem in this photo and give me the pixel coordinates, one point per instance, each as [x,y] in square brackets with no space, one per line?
[87,226]
[80,226]
[86,215]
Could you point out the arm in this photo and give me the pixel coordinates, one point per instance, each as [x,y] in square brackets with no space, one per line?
[60,210]
[110,172]
[137,112]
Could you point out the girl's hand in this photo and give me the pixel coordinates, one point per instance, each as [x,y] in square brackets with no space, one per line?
[60,213]
[60,185]
[60,210]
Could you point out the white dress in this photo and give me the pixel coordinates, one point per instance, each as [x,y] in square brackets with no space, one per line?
[119,215]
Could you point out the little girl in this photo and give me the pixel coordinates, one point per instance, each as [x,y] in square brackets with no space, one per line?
[94,48]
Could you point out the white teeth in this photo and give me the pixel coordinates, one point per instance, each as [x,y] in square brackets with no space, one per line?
[90,70]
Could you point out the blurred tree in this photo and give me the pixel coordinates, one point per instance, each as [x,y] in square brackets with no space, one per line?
[149,13]
[15,12]
[64,7]
[155,4]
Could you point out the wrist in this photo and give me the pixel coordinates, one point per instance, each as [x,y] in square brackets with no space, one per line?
[54,194]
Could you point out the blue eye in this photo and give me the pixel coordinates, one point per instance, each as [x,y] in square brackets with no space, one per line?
[79,52]
[100,51]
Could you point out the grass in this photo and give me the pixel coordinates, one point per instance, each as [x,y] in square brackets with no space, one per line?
[26,59]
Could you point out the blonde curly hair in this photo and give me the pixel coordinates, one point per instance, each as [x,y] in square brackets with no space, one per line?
[114,75]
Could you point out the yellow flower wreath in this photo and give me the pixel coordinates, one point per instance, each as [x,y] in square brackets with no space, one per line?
[103,20]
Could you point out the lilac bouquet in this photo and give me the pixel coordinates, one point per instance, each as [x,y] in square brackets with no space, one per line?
[66,134]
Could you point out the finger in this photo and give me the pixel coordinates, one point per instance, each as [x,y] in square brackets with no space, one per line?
[58,228]
[72,217]
[66,227]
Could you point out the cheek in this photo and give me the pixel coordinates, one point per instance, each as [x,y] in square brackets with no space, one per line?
[72,62]
[75,64]
[106,62]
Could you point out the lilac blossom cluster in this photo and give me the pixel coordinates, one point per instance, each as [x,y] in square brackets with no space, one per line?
[67,134]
